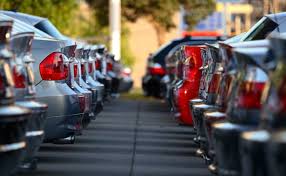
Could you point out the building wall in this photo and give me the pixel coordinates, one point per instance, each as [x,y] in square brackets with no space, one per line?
[142,41]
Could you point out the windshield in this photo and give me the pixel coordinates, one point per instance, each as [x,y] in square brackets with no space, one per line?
[260,30]
[47,27]
[19,27]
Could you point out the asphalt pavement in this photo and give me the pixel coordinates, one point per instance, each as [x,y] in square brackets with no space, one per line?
[129,138]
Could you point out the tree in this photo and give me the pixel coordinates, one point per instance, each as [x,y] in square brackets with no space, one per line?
[158,12]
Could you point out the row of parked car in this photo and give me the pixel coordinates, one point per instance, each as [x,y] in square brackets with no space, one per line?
[233,92]
[51,87]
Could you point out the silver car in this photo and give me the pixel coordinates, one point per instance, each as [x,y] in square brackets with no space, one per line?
[51,70]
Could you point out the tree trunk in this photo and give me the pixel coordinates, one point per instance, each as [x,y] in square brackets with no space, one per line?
[160,33]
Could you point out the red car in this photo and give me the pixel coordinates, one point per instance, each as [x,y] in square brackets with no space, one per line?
[191,62]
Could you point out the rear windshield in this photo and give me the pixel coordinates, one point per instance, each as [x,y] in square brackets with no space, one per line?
[19,27]
[260,30]
[47,27]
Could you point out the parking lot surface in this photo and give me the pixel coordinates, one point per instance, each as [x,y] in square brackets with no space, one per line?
[128,138]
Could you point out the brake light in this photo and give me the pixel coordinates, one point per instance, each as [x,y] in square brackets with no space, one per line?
[109,66]
[82,68]
[157,69]
[192,63]
[19,79]
[97,64]
[282,96]
[1,84]
[75,69]
[90,67]
[53,67]
[249,94]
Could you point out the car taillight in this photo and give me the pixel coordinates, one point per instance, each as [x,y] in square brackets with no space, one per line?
[82,68]
[109,66]
[53,67]
[282,96]
[90,69]
[97,64]
[192,62]
[19,79]
[249,94]
[157,69]
[75,69]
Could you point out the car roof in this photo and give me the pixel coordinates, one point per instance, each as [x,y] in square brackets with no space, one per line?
[277,17]
[27,18]
[19,27]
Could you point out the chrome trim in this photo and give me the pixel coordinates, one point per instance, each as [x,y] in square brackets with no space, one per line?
[34,133]
[11,147]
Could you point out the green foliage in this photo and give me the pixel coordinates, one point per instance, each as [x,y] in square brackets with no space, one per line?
[157,11]
[59,12]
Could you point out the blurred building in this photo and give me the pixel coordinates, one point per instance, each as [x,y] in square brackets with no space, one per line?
[228,19]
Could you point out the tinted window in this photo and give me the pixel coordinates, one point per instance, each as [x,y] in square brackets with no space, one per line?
[47,27]
[19,26]
[260,30]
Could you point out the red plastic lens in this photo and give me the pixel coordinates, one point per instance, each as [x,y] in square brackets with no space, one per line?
[109,66]
[19,79]
[75,69]
[249,94]
[53,67]
[282,96]
[98,64]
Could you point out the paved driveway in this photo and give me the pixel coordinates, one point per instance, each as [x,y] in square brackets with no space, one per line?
[128,138]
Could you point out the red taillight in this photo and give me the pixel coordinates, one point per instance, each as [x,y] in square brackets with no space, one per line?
[282,96]
[249,95]
[1,84]
[109,66]
[97,64]
[82,68]
[19,79]
[157,69]
[90,67]
[75,70]
[53,67]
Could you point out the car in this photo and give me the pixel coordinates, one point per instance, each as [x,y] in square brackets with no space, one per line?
[22,64]
[244,107]
[262,148]
[155,70]
[50,69]
[268,24]
[14,118]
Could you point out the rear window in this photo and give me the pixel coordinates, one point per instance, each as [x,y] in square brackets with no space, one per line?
[19,27]
[260,30]
[47,27]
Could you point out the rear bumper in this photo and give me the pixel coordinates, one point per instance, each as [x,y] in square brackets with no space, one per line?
[58,127]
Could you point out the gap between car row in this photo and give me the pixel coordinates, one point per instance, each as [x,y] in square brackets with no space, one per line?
[127,138]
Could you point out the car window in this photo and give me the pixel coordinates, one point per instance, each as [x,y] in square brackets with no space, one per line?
[260,30]
[19,26]
[47,27]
